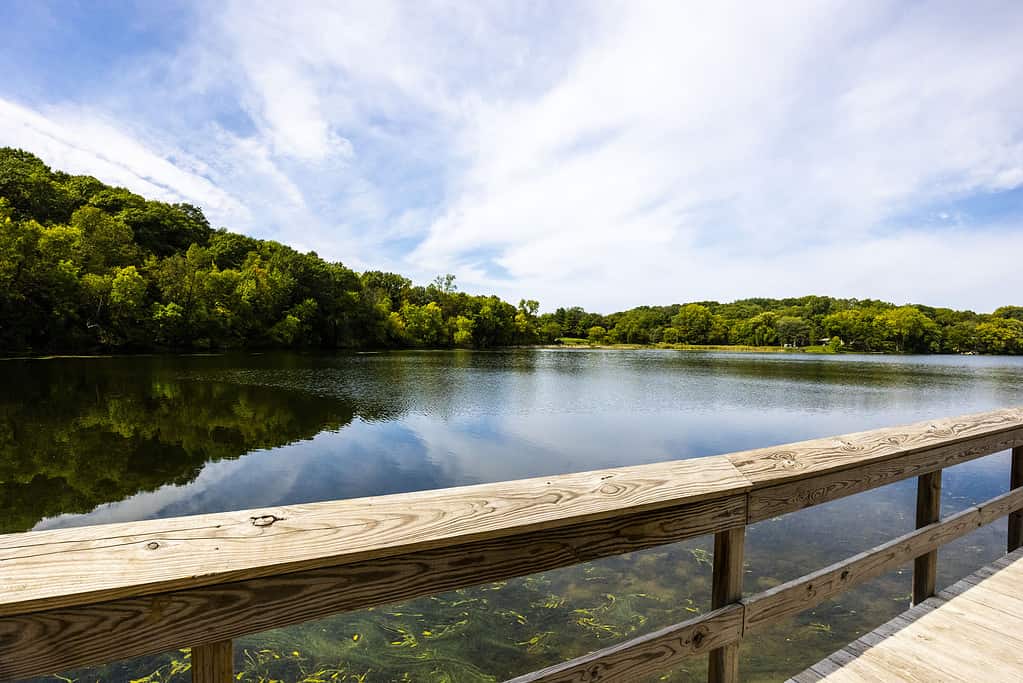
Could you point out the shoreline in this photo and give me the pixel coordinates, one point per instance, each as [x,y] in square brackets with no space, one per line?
[693,348]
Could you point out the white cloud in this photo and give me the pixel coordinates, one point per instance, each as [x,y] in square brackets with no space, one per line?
[603,154]
[77,140]
[698,151]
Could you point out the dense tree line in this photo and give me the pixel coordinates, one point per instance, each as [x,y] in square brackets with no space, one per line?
[86,266]
[847,324]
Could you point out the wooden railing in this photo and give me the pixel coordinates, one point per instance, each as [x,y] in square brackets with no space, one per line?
[83,596]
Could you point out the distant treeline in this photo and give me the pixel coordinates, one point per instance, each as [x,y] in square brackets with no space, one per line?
[87,267]
[838,324]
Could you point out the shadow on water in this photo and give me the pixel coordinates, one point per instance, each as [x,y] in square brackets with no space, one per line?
[94,440]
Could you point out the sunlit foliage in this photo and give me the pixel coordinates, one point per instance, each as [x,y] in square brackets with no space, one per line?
[85,266]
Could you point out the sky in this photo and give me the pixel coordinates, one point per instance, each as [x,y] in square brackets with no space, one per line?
[596,153]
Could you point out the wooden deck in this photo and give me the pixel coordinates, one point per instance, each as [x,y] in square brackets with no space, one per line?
[971,631]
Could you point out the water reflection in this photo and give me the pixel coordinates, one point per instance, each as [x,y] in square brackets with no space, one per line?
[96,440]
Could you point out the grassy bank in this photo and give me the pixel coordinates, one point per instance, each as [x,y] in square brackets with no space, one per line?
[573,342]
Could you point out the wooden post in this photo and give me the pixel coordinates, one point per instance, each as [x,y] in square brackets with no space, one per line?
[726,589]
[213,662]
[928,511]
[1016,518]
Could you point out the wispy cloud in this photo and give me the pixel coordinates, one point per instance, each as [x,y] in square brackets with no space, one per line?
[607,154]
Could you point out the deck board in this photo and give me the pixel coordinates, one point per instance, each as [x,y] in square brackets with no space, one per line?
[971,631]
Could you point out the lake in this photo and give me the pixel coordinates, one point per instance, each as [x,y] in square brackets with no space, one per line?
[95,440]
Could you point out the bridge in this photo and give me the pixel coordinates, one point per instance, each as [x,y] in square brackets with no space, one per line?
[83,596]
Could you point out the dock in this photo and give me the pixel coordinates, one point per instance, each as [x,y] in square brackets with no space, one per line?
[971,631]
[83,596]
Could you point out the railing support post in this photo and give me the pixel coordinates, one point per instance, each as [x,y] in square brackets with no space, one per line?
[928,511]
[213,662]
[1016,518]
[726,589]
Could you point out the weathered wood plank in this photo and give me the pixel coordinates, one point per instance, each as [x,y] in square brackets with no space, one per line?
[946,643]
[53,569]
[771,501]
[1002,595]
[1016,519]
[970,627]
[928,511]
[824,667]
[650,654]
[57,640]
[968,633]
[808,591]
[905,661]
[213,662]
[726,588]
[808,676]
[777,464]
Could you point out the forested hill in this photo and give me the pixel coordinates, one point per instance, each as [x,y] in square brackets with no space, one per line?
[86,266]
[89,267]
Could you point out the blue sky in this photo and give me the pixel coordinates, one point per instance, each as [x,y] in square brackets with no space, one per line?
[603,154]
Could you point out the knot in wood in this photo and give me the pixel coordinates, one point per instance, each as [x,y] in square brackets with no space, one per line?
[698,638]
[152,545]
[265,520]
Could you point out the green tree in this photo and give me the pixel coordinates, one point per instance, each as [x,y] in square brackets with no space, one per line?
[855,327]
[128,303]
[165,229]
[792,330]
[393,286]
[462,334]
[1000,335]
[960,337]
[694,324]
[108,242]
[424,325]
[526,323]
[757,331]
[27,185]
[550,332]
[1013,312]
[909,330]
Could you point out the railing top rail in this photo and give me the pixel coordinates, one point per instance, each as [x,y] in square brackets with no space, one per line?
[779,464]
[86,565]
[63,568]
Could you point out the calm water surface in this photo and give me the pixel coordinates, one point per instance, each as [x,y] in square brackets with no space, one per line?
[94,440]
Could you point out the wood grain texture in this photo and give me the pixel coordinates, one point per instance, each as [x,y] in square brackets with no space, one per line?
[928,511]
[968,632]
[729,547]
[52,569]
[777,464]
[56,640]
[649,654]
[213,662]
[814,489]
[808,591]
[1015,539]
